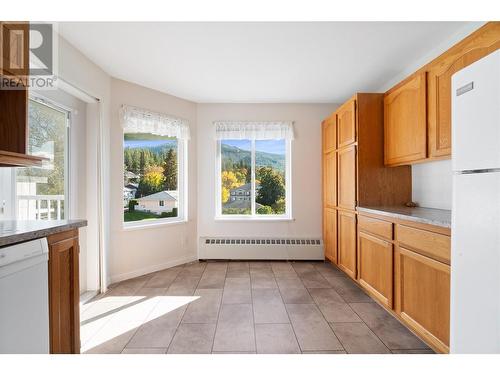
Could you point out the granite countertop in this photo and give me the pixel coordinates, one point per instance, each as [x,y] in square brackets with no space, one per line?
[14,231]
[431,216]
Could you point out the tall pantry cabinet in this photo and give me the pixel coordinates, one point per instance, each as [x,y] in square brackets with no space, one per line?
[354,175]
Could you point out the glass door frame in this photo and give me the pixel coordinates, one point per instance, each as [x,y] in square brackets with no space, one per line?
[36,97]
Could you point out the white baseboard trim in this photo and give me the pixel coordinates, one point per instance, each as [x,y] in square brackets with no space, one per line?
[155,268]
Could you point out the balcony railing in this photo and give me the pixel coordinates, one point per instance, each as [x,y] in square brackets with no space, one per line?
[40,207]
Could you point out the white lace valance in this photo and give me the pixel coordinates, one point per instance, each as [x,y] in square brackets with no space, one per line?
[254,130]
[138,120]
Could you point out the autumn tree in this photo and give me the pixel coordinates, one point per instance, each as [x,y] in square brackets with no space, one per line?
[229,181]
[151,182]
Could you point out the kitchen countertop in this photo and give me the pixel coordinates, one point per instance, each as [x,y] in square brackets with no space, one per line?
[431,216]
[14,231]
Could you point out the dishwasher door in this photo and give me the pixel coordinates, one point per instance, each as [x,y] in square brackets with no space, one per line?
[24,298]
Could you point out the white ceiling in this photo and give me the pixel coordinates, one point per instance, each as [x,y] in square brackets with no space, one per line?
[258,62]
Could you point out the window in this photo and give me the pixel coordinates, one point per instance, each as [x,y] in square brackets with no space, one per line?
[41,192]
[154,159]
[254,170]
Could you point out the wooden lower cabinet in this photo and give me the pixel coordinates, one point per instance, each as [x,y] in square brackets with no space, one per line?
[403,265]
[64,292]
[375,271]
[424,297]
[330,234]
[346,234]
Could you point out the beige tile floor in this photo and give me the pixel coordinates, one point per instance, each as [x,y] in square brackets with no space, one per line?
[242,307]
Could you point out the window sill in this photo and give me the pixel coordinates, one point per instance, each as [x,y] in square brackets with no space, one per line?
[253,218]
[157,223]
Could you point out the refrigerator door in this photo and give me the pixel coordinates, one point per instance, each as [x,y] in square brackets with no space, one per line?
[475,264]
[475,97]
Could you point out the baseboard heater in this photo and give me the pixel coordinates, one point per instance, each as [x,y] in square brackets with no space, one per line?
[270,248]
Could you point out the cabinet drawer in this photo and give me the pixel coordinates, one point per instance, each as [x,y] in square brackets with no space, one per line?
[375,226]
[434,245]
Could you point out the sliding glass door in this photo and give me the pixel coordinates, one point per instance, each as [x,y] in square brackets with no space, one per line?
[41,192]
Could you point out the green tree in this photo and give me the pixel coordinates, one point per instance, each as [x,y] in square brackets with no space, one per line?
[47,127]
[264,210]
[272,186]
[170,170]
[279,207]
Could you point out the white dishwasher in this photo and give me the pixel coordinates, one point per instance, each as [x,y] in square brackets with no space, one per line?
[24,298]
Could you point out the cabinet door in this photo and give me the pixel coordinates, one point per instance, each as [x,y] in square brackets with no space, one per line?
[425,297]
[405,122]
[346,178]
[375,267]
[330,179]
[64,293]
[347,242]
[346,124]
[330,234]
[14,46]
[439,91]
[330,133]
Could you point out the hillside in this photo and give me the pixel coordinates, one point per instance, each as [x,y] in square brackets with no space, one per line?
[262,159]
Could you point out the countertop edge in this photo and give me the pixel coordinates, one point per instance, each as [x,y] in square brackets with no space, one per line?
[402,216]
[15,238]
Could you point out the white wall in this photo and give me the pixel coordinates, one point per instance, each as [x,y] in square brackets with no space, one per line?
[306,168]
[431,184]
[136,251]
[432,180]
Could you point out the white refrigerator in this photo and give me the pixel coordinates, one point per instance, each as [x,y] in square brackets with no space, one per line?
[475,253]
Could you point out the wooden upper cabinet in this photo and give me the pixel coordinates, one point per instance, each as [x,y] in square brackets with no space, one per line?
[346,232]
[405,126]
[346,172]
[439,85]
[375,267]
[330,179]
[64,293]
[330,133]
[14,46]
[330,234]
[346,124]
[424,287]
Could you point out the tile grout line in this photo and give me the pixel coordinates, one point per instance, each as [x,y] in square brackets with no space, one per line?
[110,319]
[362,320]
[220,308]
[137,329]
[253,317]
[288,314]
[323,315]
[182,317]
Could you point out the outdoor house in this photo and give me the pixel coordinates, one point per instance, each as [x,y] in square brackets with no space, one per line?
[157,203]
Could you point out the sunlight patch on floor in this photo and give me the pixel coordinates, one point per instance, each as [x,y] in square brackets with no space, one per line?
[116,317]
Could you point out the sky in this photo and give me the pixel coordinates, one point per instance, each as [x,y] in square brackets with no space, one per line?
[270,146]
[141,143]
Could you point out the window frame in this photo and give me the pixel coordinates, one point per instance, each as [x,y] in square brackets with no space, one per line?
[182,183]
[287,216]
[40,99]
